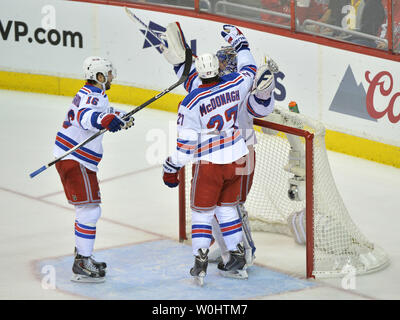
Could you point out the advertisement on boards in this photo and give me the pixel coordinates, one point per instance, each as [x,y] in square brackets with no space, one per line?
[349,92]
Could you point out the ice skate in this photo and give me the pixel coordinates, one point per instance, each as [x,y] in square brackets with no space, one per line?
[99,264]
[199,269]
[236,266]
[84,270]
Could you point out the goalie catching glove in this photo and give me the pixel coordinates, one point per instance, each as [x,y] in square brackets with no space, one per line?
[264,81]
[170,173]
[175,47]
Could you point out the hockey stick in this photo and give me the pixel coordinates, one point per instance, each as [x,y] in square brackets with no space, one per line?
[182,79]
[135,17]
[246,230]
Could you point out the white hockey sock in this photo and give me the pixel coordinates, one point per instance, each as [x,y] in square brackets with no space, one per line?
[85,228]
[201,230]
[230,225]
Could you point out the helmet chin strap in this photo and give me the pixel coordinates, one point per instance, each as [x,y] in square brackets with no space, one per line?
[103,84]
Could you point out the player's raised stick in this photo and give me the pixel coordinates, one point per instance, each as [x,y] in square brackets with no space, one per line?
[182,79]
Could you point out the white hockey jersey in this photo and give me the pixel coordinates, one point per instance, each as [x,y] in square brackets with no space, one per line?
[250,108]
[208,127]
[81,123]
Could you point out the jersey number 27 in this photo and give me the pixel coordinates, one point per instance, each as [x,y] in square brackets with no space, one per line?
[217,122]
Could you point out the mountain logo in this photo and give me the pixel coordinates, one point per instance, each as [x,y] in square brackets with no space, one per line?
[152,37]
[350,98]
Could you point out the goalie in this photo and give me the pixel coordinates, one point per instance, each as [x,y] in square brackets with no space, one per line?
[260,93]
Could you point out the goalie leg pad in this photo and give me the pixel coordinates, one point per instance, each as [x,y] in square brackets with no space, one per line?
[297,225]
[248,243]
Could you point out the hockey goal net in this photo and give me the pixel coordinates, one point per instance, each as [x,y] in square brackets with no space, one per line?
[293,178]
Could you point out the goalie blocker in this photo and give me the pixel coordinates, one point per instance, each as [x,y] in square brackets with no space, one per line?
[174,51]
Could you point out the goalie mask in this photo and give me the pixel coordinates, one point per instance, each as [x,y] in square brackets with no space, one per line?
[227,60]
[94,65]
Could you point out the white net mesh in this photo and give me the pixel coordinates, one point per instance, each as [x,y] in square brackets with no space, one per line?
[338,243]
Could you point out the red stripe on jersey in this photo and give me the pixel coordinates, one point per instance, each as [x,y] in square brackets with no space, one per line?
[79,151]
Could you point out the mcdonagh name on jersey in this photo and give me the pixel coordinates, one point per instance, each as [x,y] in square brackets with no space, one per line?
[218,101]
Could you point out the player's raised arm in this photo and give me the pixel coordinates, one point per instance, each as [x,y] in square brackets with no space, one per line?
[235,37]
[174,53]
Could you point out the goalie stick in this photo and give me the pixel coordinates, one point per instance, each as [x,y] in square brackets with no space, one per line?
[135,17]
[182,79]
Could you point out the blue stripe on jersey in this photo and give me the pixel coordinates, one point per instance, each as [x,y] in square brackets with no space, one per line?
[250,68]
[188,84]
[93,120]
[221,146]
[80,115]
[216,92]
[77,155]
[93,88]
[75,143]
[224,79]
[251,110]
[187,141]
[186,146]
[265,103]
[84,92]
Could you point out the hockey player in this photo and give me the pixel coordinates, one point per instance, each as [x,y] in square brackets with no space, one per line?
[174,54]
[209,135]
[228,63]
[88,113]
